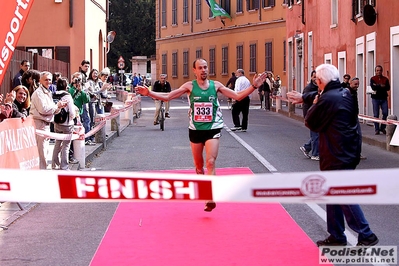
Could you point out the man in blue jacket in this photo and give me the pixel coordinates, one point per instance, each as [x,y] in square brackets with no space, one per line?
[334,115]
[311,148]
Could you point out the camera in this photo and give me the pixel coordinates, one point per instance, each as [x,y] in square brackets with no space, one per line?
[93,96]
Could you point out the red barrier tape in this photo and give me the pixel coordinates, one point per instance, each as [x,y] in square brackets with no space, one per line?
[80,135]
[373,119]
[364,117]
[95,129]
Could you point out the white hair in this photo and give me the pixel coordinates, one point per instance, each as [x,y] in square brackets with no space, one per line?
[105,71]
[326,73]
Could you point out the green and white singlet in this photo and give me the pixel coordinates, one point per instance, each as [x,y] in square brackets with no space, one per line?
[205,113]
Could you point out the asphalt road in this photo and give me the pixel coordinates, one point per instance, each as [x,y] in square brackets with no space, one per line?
[69,234]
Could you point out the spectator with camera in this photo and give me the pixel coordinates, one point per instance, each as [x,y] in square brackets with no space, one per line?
[93,89]
[80,98]
[104,85]
[85,116]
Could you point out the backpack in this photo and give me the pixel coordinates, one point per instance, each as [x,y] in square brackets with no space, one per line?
[63,115]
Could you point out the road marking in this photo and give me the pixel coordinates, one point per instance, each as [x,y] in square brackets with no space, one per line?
[351,238]
[259,157]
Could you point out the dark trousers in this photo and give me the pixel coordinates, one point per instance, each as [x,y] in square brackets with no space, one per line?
[241,107]
[267,100]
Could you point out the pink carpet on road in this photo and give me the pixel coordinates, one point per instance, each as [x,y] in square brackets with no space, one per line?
[181,233]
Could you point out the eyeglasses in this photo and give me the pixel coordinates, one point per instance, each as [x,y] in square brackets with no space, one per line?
[47,79]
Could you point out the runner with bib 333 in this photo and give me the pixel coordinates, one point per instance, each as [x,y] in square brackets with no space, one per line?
[205,116]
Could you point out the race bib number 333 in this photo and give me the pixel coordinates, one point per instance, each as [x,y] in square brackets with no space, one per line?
[203,112]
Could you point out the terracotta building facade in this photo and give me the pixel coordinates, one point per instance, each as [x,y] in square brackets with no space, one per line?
[68,30]
[253,39]
[353,35]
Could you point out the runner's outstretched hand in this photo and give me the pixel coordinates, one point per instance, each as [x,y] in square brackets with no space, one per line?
[143,90]
[258,79]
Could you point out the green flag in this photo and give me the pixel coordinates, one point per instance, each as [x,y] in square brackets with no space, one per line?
[217,10]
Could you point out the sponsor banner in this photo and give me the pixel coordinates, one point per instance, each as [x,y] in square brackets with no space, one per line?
[18,148]
[12,21]
[358,255]
[330,187]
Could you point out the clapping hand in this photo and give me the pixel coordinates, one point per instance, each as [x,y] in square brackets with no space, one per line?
[294,97]
[107,86]
[10,97]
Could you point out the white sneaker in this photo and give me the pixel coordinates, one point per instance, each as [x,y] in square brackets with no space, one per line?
[235,128]
[315,158]
[90,143]
[305,152]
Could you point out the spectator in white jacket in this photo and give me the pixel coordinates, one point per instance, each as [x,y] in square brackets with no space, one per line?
[42,111]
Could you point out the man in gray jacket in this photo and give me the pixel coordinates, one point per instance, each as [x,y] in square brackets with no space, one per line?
[42,111]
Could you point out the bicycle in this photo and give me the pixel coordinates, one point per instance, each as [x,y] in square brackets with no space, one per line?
[161,117]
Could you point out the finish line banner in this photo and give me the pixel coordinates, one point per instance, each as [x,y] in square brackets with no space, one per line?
[330,187]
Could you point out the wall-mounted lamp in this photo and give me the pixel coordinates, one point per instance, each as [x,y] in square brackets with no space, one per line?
[110,38]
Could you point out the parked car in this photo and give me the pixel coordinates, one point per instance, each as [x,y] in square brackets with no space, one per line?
[128,77]
[148,81]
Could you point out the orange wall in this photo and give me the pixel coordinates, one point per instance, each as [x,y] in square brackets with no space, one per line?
[48,25]
[248,27]
[326,39]
[51,28]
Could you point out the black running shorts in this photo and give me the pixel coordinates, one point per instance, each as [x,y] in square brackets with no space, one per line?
[201,136]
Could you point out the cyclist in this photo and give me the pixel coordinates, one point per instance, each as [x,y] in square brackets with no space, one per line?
[161,86]
[206,121]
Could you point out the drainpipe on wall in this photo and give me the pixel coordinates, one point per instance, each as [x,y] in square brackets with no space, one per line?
[192,16]
[107,11]
[70,13]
